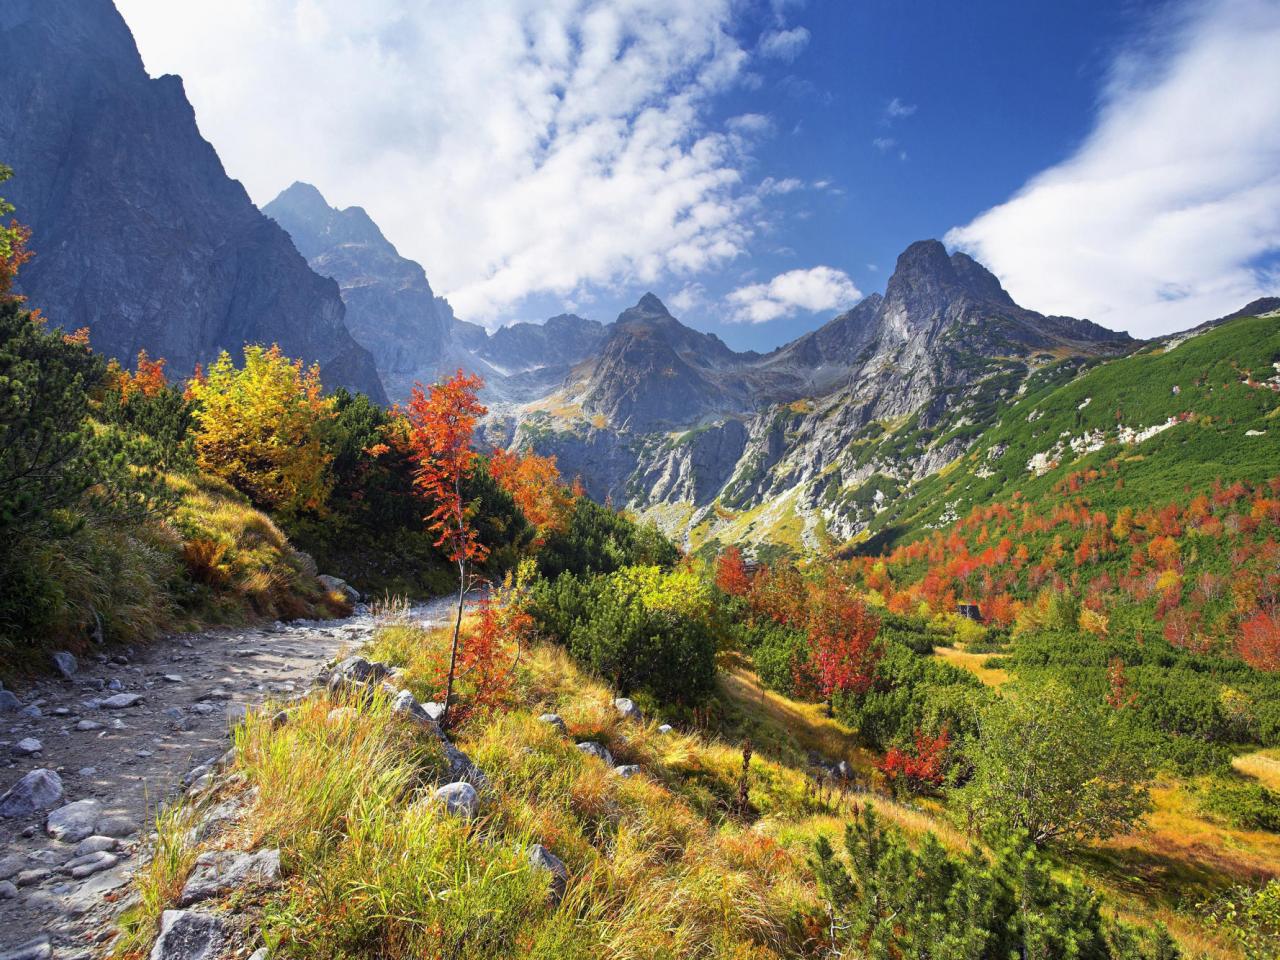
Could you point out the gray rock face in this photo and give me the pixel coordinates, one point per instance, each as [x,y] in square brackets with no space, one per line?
[627,709]
[338,585]
[189,935]
[627,770]
[218,872]
[412,333]
[801,431]
[140,234]
[543,859]
[74,822]
[38,790]
[460,799]
[600,752]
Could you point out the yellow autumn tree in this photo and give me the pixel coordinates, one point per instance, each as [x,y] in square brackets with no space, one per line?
[260,428]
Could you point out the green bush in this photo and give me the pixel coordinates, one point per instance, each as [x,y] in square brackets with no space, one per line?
[599,540]
[1240,803]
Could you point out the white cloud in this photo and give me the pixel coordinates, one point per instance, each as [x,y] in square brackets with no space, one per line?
[896,108]
[884,144]
[690,297]
[1158,221]
[769,186]
[814,289]
[513,147]
[784,45]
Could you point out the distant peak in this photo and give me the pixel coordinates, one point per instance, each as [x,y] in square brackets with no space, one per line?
[651,304]
[300,195]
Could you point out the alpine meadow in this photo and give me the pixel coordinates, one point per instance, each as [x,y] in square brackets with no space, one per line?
[703,566]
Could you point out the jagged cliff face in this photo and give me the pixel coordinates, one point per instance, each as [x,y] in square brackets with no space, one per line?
[806,443]
[413,334]
[139,233]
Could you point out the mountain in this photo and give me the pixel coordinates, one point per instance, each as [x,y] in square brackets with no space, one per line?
[782,446]
[413,334]
[139,233]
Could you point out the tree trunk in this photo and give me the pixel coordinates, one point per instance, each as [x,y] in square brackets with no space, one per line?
[453,649]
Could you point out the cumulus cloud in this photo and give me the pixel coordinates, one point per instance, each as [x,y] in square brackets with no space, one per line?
[884,144]
[784,45]
[815,289]
[513,147]
[1167,213]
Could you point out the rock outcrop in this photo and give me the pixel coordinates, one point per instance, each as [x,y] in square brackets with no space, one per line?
[139,233]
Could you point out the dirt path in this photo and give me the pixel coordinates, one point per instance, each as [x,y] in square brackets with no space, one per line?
[190,689]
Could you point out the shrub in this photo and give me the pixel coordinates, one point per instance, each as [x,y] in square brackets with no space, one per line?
[1240,803]
[600,540]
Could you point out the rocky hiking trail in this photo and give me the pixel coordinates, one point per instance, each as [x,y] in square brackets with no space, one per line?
[86,760]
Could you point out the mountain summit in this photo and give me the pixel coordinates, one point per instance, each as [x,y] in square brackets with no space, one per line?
[139,234]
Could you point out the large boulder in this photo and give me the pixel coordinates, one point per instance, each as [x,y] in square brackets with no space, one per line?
[339,586]
[355,672]
[65,663]
[218,872]
[74,822]
[189,935]
[8,701]
[627,709]
[460,799]
[39,790]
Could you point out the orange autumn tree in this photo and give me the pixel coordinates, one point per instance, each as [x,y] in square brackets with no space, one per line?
[841,633]
[731,572]
[441,423]
[147,380]
[260,427]
[534,484]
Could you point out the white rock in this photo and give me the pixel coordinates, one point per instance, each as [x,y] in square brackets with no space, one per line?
[27,746]
[666,728]
[626,709]
[555,720]
[121,701]
[627,770]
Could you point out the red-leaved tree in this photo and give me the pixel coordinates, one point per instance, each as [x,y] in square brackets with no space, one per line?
[1259,641]
[441,424]
[731,573]
[922,769]
[841,632]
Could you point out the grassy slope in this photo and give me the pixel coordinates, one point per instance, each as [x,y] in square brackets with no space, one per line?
[1138,391]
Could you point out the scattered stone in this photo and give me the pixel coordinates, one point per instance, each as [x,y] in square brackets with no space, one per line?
[627,770]
[26,747]
[87,771]
[544,859]
[122,701]
[37,949]
[74,822]
[218,693]
[116,826]
[96,844]
[7,890]
[626,709]
[61,711]
[40,789]
[203,708]
[355,671]
[259,954]
[593,749]
[90,864]
[65,663]
[32,711]
[94,683]
[459,799]
[218,872]
[8,702]
[842,770]
[115,684]
[118,724]
[173,677]
[10,866]
[433,710]
[188,935]
[555,720]
[666,728]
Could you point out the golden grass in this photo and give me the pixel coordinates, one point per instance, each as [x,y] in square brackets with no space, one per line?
[1263,766]
[975,663]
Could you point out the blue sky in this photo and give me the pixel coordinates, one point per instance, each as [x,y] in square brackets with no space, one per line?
[759,164]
